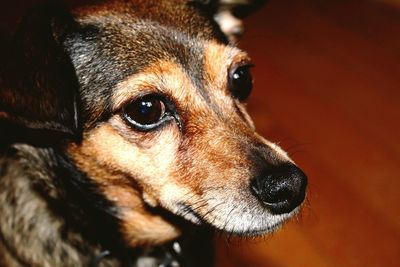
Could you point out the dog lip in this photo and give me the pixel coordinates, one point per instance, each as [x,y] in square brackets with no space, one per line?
[266,229]
[189,214]
[275,223]
[260,232]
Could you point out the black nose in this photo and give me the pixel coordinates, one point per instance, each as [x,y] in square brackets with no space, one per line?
[281,189]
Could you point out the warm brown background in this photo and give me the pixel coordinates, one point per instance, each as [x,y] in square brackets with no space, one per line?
[327,89]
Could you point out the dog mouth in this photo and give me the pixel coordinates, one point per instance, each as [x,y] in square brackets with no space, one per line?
[257,227]
[261,231]
[187,212]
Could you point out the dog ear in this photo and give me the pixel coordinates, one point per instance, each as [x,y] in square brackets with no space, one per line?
[38,85]
[229,14]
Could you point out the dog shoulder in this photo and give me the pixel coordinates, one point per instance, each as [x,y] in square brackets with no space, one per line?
[31,227]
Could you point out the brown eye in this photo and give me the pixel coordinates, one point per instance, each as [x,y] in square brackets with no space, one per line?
[145,112]
[241,82]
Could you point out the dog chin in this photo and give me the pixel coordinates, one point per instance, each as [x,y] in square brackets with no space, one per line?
[258,226]
[237,222]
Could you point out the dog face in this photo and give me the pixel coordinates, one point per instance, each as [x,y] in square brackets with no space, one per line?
[162,125]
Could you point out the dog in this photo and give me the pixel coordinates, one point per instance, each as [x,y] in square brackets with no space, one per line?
[125,140]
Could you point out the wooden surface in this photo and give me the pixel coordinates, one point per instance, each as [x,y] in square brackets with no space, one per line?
[327,89]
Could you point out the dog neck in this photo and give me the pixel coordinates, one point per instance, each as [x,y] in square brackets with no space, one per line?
[52,215]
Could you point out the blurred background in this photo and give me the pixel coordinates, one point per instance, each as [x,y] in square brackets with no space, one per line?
[327,89]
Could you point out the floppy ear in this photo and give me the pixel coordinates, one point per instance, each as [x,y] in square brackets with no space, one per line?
[229,14]
[38,85]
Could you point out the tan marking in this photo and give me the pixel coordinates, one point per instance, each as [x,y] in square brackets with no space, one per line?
[217,61]
[246,116]
[163,77]
[281,154]
[113,162]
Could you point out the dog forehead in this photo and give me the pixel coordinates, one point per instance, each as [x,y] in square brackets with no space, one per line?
[186,16]
[152,29]
[207,73]
[120,38]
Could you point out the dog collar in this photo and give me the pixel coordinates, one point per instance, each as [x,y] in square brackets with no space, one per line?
[165,256]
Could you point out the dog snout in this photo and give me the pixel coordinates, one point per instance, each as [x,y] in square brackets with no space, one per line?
[281,189]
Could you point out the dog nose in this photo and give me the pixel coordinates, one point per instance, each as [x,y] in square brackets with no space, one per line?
[281,189]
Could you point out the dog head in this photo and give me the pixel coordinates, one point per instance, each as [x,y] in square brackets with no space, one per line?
[149,97]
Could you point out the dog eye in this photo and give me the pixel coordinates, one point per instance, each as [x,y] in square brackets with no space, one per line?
[145,112]
[241,82]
